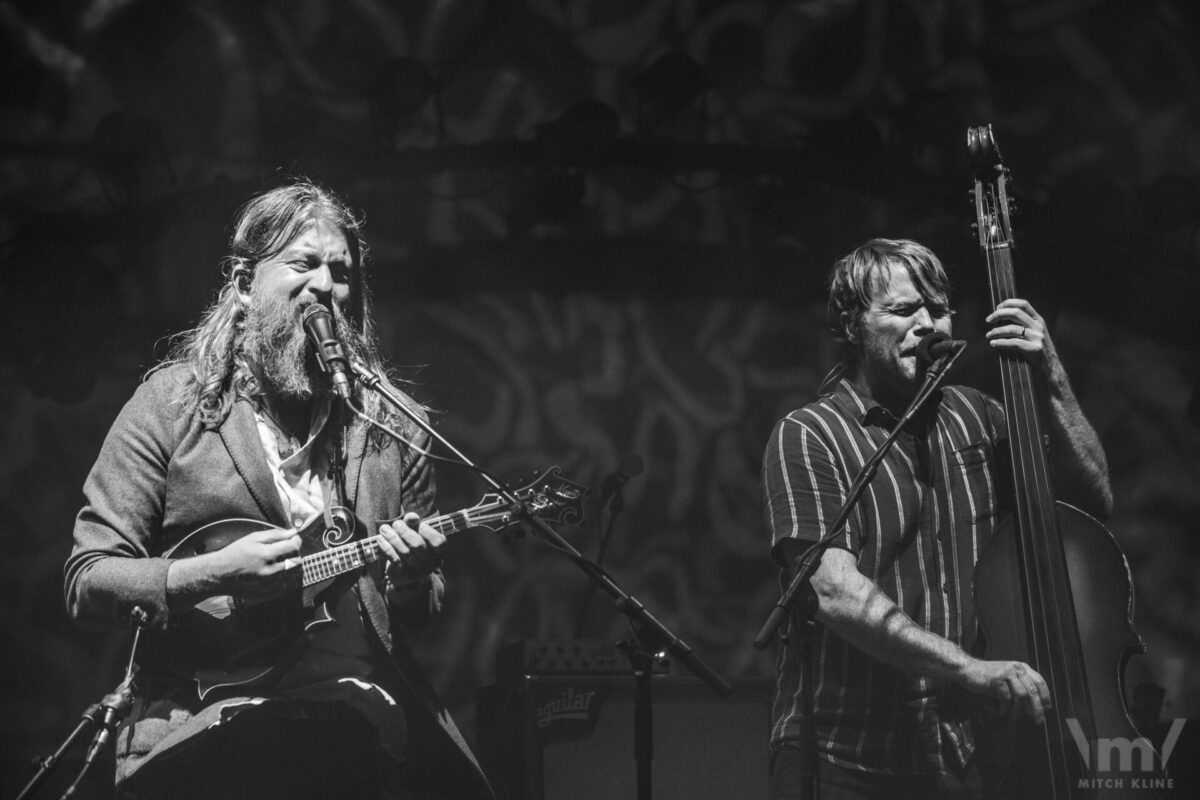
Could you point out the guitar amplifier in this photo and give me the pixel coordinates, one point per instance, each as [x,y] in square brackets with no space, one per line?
[571,737]
[565,656]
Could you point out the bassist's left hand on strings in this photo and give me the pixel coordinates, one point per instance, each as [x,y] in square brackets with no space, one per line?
[1018,328]
[413,549]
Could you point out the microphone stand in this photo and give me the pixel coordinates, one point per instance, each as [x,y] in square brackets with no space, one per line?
[800,591]
[653,636]
[642,660]
[105,716]
[615,503]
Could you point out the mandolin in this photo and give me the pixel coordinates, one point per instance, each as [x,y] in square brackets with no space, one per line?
[226,642]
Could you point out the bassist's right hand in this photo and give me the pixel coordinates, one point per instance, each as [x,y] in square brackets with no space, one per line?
[1015,686]
[258,565]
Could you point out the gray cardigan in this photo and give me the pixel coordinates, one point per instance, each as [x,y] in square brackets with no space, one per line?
[159,476]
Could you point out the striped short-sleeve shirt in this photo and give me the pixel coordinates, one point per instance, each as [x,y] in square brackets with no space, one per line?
[917,532]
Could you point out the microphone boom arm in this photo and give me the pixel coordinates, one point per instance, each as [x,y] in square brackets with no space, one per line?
[653,633]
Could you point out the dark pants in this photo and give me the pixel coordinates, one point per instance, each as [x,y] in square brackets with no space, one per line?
[840,783]
[259,756]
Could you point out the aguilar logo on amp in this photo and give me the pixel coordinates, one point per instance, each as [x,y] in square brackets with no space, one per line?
[570,709]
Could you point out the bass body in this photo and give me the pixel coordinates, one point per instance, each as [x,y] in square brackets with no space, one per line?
[1085,750]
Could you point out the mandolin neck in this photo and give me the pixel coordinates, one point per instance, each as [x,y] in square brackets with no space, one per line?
[347,557]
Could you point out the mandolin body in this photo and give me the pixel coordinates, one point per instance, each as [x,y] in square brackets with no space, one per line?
[225,642]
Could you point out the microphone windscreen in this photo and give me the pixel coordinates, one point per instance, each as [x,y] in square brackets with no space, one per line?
[925,348]
[314,311]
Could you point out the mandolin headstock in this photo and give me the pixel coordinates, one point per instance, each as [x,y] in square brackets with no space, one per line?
[549,496]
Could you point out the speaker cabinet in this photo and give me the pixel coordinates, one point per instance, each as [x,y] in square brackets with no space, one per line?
[562,737]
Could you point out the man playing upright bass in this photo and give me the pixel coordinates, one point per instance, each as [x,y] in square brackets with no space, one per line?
[897,618]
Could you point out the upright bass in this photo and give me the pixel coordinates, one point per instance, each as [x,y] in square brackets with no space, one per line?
[1052,587]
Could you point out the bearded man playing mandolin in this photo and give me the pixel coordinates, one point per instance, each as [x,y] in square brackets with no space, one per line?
[239,425]
[897,618]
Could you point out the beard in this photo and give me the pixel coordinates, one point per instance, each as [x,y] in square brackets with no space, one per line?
[275,344]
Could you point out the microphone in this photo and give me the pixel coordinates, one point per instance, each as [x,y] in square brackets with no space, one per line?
[318,324]
[630,467]
[936,346]
[108,715]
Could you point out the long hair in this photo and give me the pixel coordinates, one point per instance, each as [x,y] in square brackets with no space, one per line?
[264,226]
[858,276]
